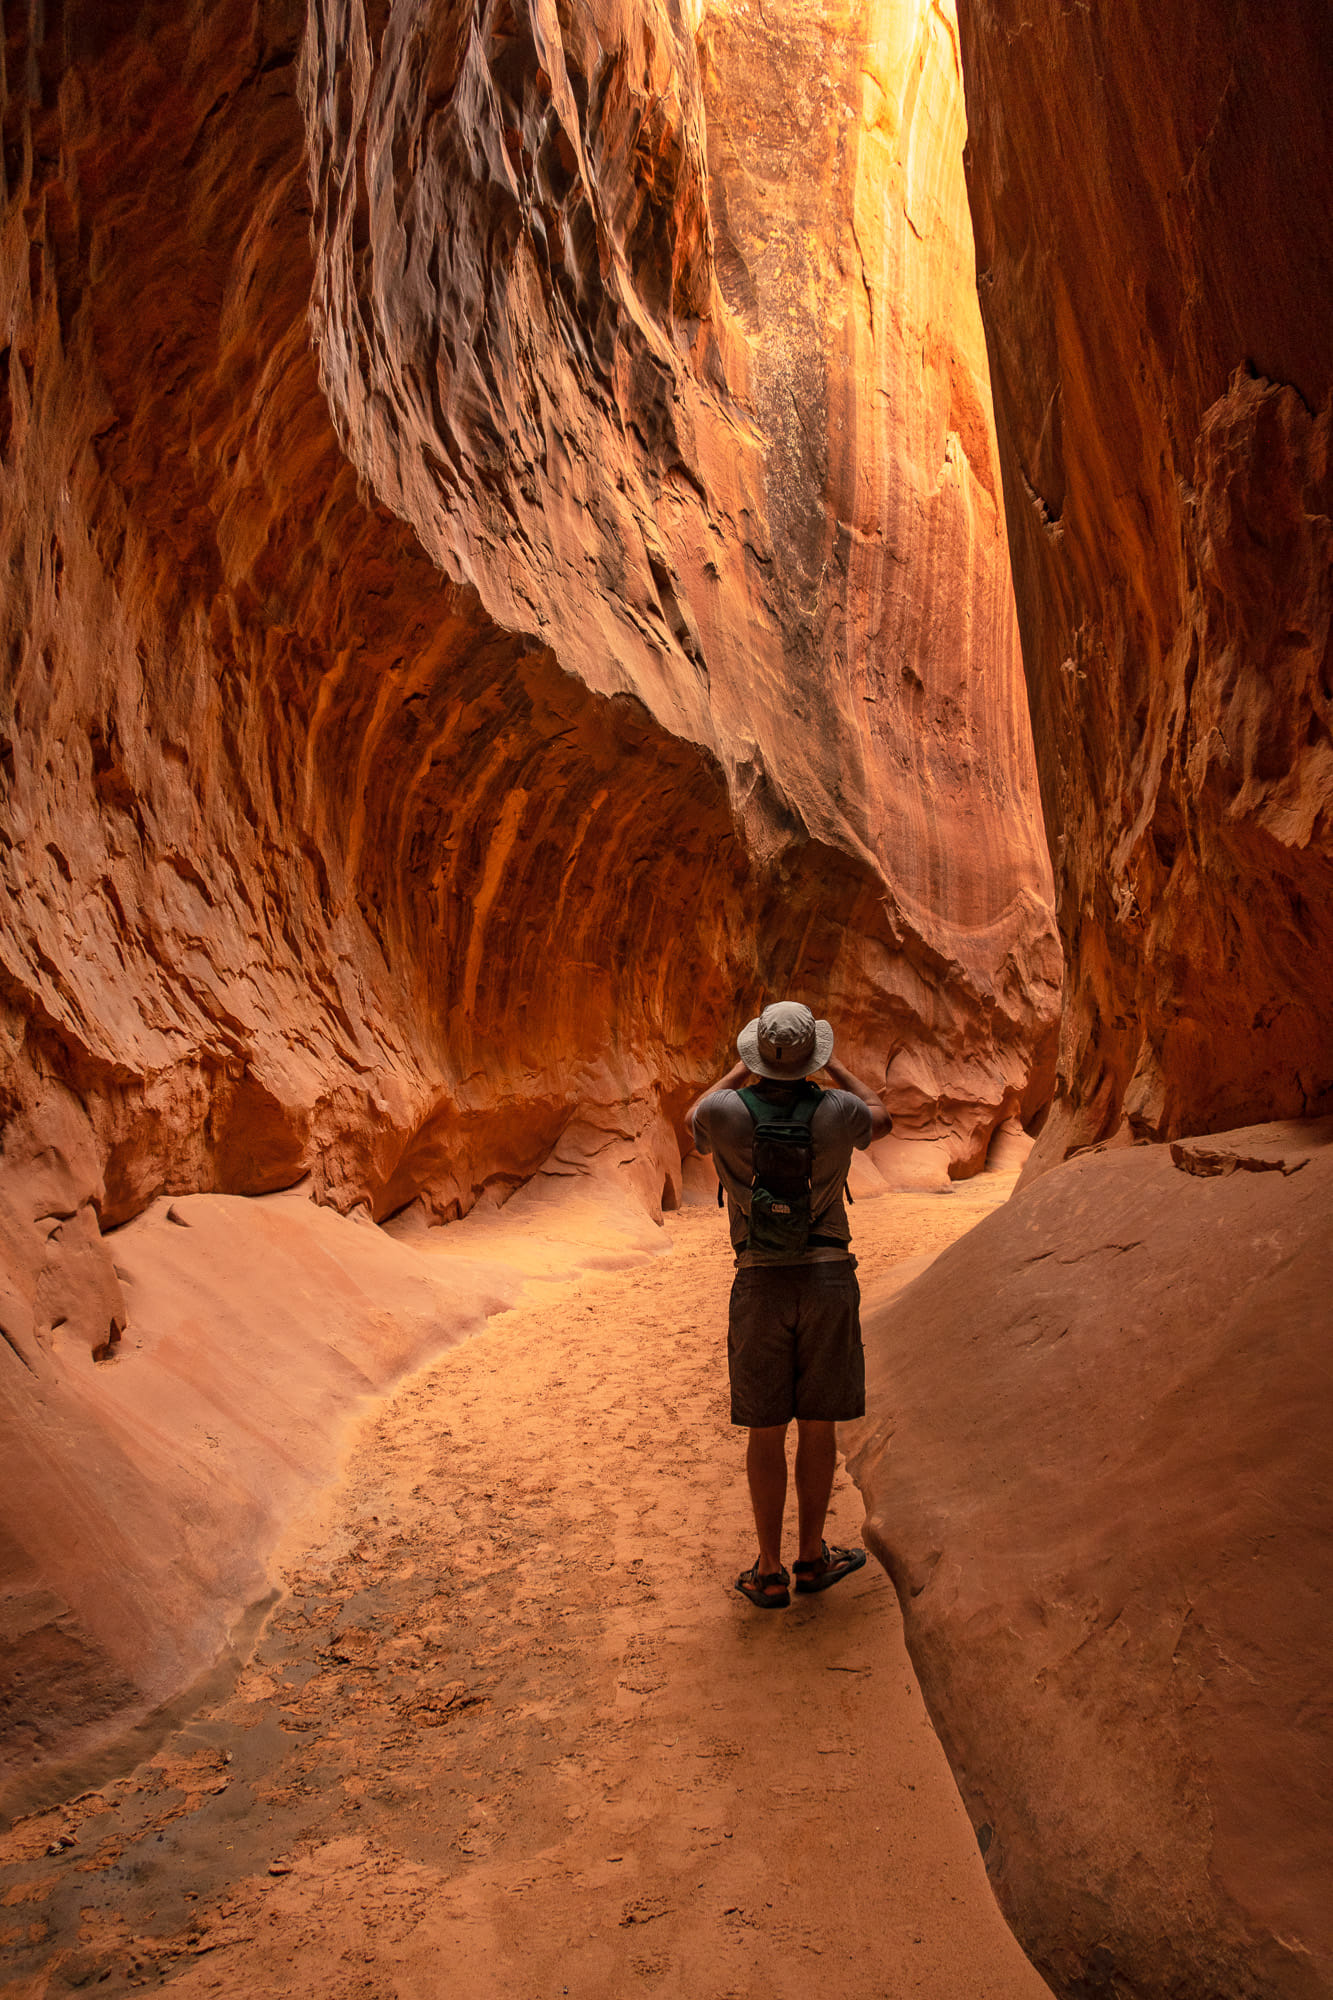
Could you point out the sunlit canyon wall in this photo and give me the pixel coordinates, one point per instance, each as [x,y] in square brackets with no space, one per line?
[503,567]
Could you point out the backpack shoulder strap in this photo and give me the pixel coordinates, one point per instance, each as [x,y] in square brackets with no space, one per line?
[799,1113]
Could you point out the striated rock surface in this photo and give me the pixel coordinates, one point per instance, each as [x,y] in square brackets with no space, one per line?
[1152,187]
[1106,1494]
[503,568]
[1092,1471]
[678,439]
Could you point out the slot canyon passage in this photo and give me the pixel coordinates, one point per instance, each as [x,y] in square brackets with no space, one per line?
[508,514]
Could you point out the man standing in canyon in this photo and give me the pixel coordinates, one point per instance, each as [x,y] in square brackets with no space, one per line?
[783,1148]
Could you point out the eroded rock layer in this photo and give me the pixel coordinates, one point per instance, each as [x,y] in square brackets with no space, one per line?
[503,566]
[1099,1470]
[1152,188]
[1094,1476]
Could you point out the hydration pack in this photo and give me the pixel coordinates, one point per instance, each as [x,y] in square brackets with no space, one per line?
[783,1161]
[783,1165]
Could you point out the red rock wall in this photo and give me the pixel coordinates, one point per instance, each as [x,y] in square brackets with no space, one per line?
[1098,1471]
[609,342]
[1098,1466]
[1152,187]
[503,568]
[455,664]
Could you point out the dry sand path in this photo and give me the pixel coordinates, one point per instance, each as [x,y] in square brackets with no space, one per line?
[511,1732]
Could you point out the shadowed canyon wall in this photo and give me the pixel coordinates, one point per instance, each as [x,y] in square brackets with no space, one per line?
[1100,1467]
[1150,188]
[503,567]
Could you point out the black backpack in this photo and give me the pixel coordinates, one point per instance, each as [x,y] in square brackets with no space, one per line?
[783,1161]
[780,1219]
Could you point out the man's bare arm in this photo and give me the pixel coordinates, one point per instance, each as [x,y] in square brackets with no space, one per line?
[733,1079]
[880,1121]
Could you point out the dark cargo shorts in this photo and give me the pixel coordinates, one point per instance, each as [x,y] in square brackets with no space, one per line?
[794,1344]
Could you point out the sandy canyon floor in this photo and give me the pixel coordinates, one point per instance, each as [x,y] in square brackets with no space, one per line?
[509,1730]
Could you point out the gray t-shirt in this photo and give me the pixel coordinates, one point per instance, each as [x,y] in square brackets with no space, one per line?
[724,1128]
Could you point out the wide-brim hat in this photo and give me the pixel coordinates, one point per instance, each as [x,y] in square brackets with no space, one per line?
[785,1042]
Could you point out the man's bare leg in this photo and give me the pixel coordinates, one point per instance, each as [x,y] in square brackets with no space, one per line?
[816,1463]
[766,1470]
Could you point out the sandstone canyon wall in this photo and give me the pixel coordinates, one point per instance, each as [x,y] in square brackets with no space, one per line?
[1099,1467]
[503,567]
[1100,1472]
[1151,192]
